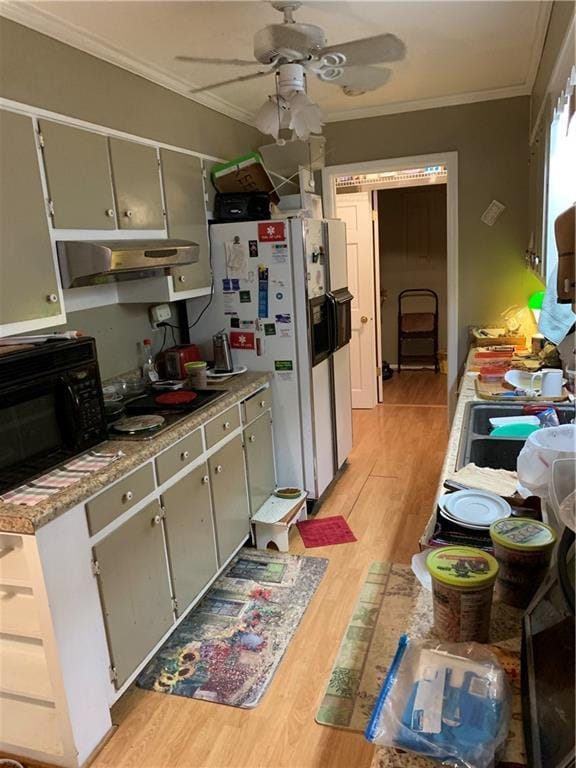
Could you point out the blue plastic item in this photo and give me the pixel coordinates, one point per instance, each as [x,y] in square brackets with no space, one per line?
[444,701]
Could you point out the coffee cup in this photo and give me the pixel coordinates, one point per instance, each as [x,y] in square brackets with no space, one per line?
[550,384]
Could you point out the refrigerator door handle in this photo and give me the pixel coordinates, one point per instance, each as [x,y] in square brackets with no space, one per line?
[332,322]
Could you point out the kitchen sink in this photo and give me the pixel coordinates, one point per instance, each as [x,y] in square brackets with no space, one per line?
[496,452]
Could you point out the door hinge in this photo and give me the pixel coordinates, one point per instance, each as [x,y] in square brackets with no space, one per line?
[374,215]
[204,173]
[96,568]
[113,672]
[378,371]
[175,605]
[51,207]
[41,141]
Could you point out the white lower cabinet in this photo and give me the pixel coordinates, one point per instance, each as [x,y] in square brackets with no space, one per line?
[190,536]
[134,588]
[229,497]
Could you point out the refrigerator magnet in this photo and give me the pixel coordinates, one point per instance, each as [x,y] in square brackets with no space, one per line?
[245,297]
[285,318]
[262,291]
[253,248]
[270,329]
[235,322]
[283,365]
[242,340]
[271,231]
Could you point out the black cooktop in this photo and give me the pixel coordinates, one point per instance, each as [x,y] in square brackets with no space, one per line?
[149,404]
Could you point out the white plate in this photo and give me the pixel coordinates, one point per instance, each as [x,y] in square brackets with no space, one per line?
[469,526]
[210,373]
[475,507]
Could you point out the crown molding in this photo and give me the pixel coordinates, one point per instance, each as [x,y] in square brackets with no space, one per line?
[44,22]
[537,47]
[434,102]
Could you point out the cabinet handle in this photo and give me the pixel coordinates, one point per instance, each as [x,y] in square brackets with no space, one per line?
[110,213]
[157,519]
[185,455]
[205,480]
[52,298]
[252,438]
[128,496]
[219,469]
[262,403]
[181,279]
[128,214]
[226,425]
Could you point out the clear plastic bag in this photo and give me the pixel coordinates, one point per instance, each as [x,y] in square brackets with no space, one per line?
[450,702]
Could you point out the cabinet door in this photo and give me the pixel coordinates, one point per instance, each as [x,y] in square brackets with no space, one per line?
[136,178]
[230,498]
[28,281]
[78,174]
[134,589]
[190,535]
[260,461]
[186,215]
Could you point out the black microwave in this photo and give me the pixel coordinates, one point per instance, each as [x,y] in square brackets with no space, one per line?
[51,407]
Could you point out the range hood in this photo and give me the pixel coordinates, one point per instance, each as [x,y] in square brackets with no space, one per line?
[106,261]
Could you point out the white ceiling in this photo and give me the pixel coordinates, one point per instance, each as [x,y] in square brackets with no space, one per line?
[457,52]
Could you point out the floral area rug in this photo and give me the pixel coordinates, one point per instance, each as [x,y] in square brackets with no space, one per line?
[228,648]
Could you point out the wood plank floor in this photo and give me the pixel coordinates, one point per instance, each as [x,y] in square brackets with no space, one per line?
[386,493]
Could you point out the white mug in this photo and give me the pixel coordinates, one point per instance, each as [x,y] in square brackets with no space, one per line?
[550,384]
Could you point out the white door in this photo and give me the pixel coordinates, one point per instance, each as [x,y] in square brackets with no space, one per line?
[355,210]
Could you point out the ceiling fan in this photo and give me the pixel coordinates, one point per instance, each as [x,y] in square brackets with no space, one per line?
[292,50]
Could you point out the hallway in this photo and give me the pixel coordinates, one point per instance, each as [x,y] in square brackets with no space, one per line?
[386,493]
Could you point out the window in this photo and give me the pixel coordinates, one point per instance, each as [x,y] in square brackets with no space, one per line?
[561,165]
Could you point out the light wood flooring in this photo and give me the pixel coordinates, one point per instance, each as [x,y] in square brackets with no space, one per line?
[386,493]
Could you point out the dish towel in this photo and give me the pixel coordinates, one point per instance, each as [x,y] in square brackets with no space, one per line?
[555,319]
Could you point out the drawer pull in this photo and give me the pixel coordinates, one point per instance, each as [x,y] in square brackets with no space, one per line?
[262,403]
[129,214]
[226,425]
[205,480]
[219,469]
[128,496]
[157,519]
[252,438]
[185,455]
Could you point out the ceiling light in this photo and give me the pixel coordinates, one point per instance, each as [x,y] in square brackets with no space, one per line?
[290,107]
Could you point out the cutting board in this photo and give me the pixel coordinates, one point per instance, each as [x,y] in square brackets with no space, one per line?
[494,390]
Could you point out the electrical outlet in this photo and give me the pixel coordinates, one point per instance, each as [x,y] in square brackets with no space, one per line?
[161,313]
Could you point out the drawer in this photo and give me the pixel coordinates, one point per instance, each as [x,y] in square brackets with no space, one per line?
[257,404]
[222,425]
[178,456]
[110,504]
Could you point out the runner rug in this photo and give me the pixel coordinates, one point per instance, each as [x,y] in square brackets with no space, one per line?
[229,647]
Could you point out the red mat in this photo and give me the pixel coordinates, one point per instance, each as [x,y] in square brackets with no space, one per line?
[323,531]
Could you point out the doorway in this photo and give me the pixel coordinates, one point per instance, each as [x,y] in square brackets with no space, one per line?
[357,206]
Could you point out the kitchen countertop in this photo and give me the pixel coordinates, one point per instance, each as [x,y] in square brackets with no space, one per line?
[17,518]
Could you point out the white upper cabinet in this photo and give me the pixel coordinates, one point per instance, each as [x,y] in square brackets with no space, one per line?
[136,179]
[30,296]
[78,175]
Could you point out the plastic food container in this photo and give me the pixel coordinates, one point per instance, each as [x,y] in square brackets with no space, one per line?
[523,548]
[197,374]
[462,585]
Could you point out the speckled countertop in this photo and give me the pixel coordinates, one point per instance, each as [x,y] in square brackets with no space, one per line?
[17,518]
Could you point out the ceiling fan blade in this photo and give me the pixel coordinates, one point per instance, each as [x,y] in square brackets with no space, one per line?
[370,50]
[240,79]
[358,80]
[204,60]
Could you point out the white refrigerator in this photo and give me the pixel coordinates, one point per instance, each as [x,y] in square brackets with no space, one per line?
[280,292]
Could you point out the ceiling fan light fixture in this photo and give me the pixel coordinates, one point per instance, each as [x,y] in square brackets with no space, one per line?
[268,118]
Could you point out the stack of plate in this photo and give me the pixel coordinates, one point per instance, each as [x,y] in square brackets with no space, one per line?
[473,509]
